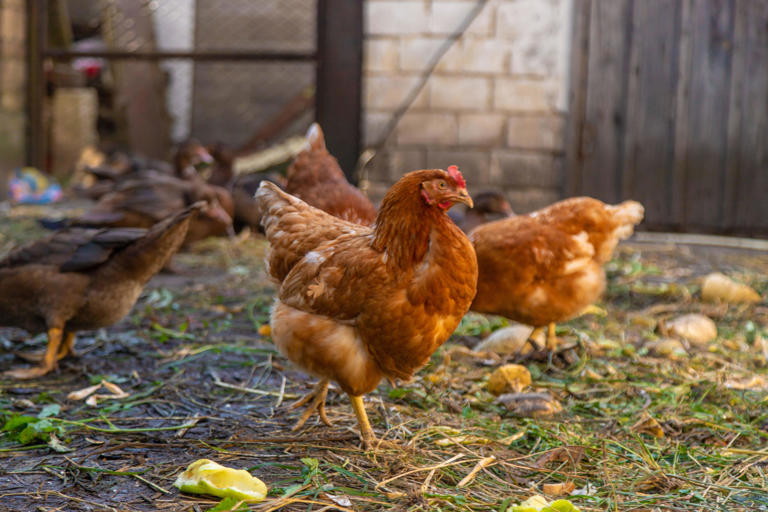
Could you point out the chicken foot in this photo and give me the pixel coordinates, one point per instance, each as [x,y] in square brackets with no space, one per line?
[316,399]
[50,359]
[366,432]
[65,349]
[552,341]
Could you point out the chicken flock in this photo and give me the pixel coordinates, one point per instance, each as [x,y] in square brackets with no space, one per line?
[363,293]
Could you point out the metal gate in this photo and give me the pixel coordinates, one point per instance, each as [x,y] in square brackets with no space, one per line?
[233,71]
[669,106]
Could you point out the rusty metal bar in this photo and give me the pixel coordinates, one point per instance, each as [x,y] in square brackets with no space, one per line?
[232,55]
[37,30]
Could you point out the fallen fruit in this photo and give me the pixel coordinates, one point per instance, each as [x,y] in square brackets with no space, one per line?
[718,287]
[207,477]
[509,378]
[538,503]
[694,327]
[265,330]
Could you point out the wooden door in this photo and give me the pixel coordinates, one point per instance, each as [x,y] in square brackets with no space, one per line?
[669,106]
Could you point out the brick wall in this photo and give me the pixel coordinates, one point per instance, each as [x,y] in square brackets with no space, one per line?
[494,106]
[12,82]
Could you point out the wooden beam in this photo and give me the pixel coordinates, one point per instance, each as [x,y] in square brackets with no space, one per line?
[37,30]
[339,78]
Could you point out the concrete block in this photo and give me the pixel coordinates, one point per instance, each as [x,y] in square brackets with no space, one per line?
[427,128]
[389,92]
[417,52]
[484,55]
[402,161]
[512,168]
[447,16]
[374,126]
[381,55]
[474,165]
[537,132]
[388,17]
[484,129]
[519,19]
[527,200]
[459,93]
[525,95]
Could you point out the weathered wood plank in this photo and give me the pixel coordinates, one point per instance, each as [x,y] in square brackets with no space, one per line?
[650,135]
[577,97]
[746,190]
[603,131]
[712,47]
[682,107]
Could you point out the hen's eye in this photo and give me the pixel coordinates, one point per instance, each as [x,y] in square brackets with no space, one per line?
[442,184]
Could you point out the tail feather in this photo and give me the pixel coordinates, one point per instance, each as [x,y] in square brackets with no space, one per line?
[627,214]
[147,256]
[294,228]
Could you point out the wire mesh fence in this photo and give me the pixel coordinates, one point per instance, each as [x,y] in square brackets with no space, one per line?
[145,74]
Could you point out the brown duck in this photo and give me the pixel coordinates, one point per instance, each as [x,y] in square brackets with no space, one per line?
[142,203]
[82,279]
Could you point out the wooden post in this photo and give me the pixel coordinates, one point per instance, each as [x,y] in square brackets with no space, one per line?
[37,29]
[339,78]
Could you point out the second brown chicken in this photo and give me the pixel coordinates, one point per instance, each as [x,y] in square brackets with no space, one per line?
[547,266]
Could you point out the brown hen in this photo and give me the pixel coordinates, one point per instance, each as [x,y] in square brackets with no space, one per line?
[546,266]
[359,303]
[316,178]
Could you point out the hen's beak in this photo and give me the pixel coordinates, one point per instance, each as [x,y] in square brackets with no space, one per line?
[462,196]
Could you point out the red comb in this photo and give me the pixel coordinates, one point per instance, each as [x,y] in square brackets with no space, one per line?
[454,173]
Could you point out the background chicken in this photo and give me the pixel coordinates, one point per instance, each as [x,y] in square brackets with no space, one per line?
[80,279]
[143,202]
[315,177]
[489,206]
[546,266]
[358,303]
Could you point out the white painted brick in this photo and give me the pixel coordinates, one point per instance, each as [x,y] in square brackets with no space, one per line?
[527,18]
[427,128]
[484,55]
[530,58]
[459,93]
[525,95]
[446,17]
[537,132]
[389,92]
[388,17]
[416,53]
[381,55]
[484,129]
[534,28]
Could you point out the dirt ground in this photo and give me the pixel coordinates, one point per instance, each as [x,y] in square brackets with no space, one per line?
[637,430]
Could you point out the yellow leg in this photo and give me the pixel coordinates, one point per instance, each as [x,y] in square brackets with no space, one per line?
[68,347]
[48,363]
[366,432]
[532,339]
[316,399]
[65,349]
[551,337]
